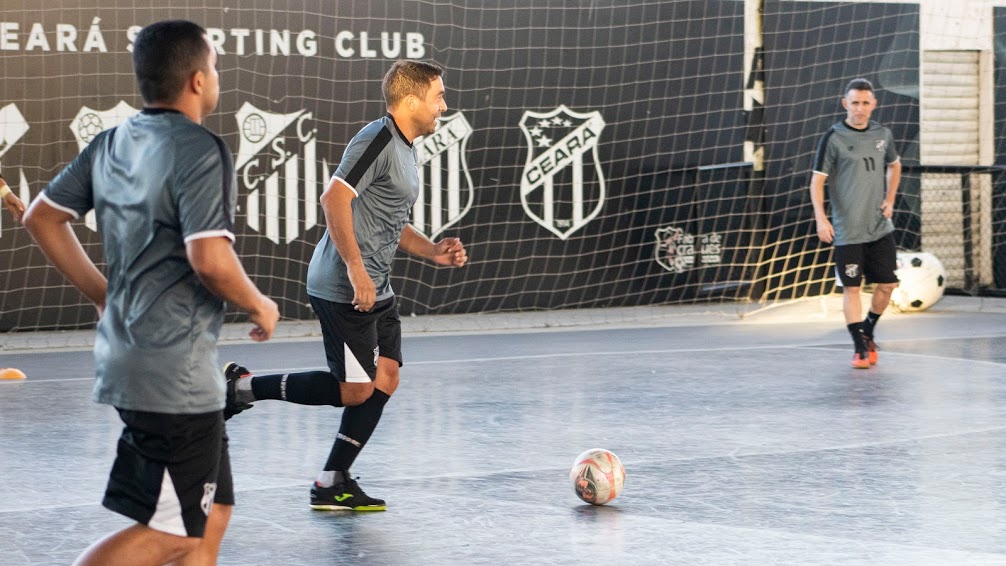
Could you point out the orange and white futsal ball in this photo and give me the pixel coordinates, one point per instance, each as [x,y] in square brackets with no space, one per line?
[597,476]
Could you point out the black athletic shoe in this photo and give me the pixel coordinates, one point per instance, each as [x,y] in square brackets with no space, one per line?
[233,372]
[344,496]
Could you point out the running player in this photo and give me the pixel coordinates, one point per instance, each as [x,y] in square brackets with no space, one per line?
[163,190]
[367,207]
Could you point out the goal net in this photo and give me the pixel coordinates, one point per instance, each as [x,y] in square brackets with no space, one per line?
[593,153]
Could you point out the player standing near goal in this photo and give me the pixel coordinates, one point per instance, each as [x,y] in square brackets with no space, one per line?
[163,189]
[367,206]
[858,158]
[10,200]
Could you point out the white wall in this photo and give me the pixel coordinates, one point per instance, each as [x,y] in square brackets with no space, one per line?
[957,24]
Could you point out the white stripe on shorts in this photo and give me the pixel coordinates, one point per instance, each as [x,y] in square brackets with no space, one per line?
[354,371]
[168,513]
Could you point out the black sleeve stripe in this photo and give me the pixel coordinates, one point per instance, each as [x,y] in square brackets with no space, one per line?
[822,150]
[228,166]
[368,158]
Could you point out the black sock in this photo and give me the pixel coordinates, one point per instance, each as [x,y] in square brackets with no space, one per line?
[870,322]
[305,388]
[358,423]
[856,331]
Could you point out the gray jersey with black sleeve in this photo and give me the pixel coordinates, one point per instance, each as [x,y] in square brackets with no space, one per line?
[381,167]
[855,162]
[155,182]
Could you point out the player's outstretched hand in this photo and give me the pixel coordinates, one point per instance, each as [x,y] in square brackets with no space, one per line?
[450,251]
[825,230]
[264,319]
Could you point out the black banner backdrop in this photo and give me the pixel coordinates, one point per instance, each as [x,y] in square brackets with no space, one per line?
[298,79]
[644,97]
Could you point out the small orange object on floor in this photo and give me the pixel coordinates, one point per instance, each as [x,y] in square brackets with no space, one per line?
[12,373]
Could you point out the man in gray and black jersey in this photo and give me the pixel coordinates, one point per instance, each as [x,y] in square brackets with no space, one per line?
[367,207]
[163,190]
[858,160]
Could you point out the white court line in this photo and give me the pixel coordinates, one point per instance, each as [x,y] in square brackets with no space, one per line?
[476,360]
[610,353]
[813,346]
[49,507]
[30,380]
[913,355]
[878,443]
[968,337]
[35,509]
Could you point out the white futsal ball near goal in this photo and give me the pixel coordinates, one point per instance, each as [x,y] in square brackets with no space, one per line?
[923,281]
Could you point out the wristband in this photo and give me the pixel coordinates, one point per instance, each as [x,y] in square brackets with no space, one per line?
[4,191]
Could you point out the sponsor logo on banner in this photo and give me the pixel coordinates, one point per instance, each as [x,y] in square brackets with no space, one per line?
[678,250]
[13,127]
[89,123]
[562,186]
[277,164]
[446,188]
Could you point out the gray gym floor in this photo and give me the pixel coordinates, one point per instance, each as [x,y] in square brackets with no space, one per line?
[744,441]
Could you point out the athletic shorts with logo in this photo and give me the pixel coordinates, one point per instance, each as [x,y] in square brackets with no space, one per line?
[876,261]
[354,340]
[169,470]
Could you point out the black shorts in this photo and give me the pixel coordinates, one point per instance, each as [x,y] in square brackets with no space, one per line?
[169,470]
[354,340]
[874,260]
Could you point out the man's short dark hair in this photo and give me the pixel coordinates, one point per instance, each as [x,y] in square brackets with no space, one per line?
[165,54]
[859,84]
[408,77]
